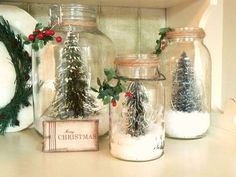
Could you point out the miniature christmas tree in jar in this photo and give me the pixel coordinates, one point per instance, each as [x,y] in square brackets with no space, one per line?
[137,124]
[73,98]
[187,66]
[64,72]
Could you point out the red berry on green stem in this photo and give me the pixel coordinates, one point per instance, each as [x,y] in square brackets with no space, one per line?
[163,42]
[129,94]
[47,33]
[31,37]
[51,32]
[114,103]
[40,36]
[37,31]
[58,39]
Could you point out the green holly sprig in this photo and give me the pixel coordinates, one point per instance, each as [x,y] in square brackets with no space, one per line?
[161,43]
[41,36]
[108,92]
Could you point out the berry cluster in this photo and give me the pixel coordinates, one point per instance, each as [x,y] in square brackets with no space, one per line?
[41,36]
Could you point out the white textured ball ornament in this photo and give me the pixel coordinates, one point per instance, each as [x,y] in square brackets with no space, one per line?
[7,77]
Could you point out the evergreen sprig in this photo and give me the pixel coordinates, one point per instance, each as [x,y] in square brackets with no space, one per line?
[160,43]
[22,64]
[107,92]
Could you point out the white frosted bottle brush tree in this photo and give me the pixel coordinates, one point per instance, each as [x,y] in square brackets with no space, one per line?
[72,99]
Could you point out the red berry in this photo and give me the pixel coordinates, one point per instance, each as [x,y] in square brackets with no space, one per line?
[58,39]
[51,32]
[40,36]
[47,33]
[163,42]
[114,103]
[37,31]
[129,94]
[31,37]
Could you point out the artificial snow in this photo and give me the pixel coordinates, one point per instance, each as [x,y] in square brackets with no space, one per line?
[141,148]
[186,125]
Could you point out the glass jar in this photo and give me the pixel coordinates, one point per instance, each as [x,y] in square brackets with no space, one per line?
[187,66]
[136,122]
[64,73]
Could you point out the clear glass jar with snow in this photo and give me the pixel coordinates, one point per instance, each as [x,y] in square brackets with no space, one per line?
[187,67]
[64,72]
[136,121]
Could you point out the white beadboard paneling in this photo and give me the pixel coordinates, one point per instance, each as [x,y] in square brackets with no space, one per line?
[121,25]
[40,12]
[151,20]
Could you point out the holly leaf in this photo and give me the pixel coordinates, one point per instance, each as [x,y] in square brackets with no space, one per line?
[93,89]
[35,46]
[107,91]
[116,97]
[164,30]
[39,26]
[106,100]
[25,38]
[110,74]
[48,38]
[46,28]
[26,42]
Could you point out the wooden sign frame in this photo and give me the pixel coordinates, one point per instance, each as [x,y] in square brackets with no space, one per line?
[70,135]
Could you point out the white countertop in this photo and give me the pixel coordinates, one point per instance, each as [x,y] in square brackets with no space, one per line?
[212,156]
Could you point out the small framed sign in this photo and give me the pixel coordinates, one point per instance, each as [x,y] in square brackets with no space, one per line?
[70,135]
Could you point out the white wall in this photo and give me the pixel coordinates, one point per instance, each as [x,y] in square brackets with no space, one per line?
[229,50]
[212,22]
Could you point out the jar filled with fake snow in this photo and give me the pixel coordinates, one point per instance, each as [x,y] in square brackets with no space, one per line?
[187,66]
[137,122]
[64,72]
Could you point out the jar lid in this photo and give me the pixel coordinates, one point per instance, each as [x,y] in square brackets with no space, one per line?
[193,32]
[137,60]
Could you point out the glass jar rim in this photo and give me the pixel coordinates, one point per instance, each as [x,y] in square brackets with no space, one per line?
[59,7]
[191,32]
[137,60]
[73,14]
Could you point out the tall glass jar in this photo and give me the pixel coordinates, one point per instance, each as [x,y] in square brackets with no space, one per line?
[136,122]
[64,73]
[187,66]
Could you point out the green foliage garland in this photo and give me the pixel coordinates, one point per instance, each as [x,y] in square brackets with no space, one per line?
[161,43]
[22,64]
[108,92]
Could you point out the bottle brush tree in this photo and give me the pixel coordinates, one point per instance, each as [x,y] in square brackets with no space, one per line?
[73,98]
[136,112]
[185,92]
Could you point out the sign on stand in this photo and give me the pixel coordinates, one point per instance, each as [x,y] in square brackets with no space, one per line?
[70,135]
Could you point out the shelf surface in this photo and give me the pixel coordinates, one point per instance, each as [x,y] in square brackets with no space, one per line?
[123,3]
[212,156]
